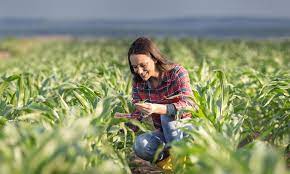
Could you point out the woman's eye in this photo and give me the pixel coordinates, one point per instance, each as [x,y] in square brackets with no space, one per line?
[135,69]
[143,65]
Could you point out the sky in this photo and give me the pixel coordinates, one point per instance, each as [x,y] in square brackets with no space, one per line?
[145,9]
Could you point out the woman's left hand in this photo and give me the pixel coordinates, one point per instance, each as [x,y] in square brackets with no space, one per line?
[145,108]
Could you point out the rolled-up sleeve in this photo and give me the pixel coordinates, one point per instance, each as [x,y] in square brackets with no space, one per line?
[184,90]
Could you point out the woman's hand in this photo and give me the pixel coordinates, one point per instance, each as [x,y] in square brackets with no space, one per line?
[145,108]
[150,108]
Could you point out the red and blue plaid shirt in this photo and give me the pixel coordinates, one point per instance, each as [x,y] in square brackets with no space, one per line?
[173,89]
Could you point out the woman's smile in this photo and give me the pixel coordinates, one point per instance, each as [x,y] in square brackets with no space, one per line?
[144,75]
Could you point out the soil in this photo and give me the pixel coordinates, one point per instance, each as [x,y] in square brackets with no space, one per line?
[139,166]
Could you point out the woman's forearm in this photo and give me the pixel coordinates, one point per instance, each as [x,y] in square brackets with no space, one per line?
[168,109]
[159,109]
[150,108]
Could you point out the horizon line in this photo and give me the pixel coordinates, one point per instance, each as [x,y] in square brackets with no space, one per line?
[146,19]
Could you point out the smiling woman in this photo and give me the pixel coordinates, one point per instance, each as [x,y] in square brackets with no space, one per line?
[145,53]
[143,66]
[165,87]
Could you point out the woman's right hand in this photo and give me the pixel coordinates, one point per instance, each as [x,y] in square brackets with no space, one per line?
[144,108]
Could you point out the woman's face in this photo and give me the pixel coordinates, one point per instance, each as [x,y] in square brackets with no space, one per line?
[143,65]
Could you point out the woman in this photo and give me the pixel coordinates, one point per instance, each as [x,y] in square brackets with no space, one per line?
[159,90]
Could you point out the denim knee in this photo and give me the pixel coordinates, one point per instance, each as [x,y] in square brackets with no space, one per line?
[171,128]
[146,145]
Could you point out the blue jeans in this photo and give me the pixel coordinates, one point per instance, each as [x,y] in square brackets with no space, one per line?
[146,145]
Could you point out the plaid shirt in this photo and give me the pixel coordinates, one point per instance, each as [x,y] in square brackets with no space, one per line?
[174,82]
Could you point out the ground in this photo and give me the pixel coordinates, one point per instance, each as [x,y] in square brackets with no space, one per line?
[139,166]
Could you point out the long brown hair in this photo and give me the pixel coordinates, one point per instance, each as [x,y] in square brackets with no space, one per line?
[144,45]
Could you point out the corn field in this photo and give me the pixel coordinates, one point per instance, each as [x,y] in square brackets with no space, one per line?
[58,98]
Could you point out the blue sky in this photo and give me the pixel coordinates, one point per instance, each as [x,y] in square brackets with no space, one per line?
[145,9]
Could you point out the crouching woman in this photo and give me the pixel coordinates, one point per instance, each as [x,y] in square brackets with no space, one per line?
[160,90]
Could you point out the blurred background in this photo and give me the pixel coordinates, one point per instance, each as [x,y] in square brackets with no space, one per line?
[112,18]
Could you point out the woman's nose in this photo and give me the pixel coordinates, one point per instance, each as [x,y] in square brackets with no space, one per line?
[139,70]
